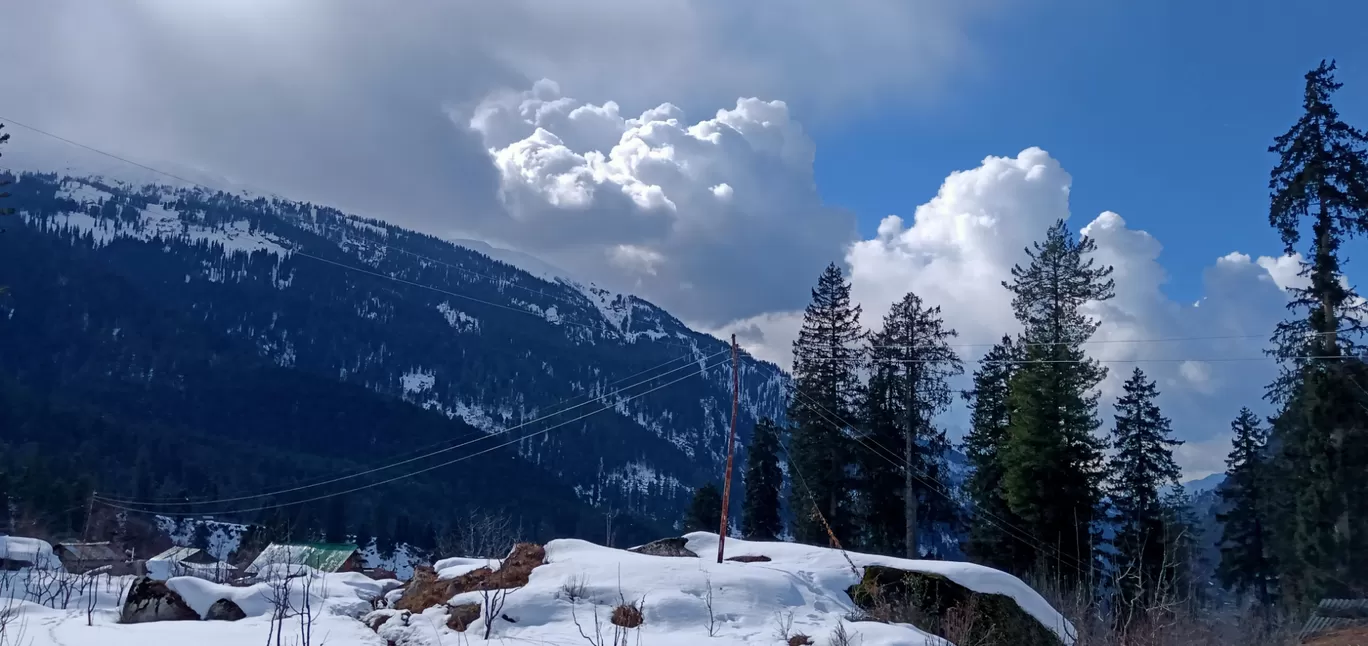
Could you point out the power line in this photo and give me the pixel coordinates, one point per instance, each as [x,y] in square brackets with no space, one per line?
[895,346]
[480,434]
[406,461]
[405,475]
[1075,361]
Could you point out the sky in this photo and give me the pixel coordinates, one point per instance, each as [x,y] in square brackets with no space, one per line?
[714,156]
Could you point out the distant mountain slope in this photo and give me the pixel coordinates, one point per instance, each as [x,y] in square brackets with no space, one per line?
[405,315]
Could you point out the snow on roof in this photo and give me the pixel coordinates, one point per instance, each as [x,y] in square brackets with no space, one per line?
[324,557]
[35,552]
[682,596]
[176,554]
[90,552]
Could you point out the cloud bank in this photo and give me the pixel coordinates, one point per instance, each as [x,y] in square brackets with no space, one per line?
[963,242]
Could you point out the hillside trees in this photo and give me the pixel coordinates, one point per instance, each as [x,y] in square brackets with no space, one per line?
[1321,182]
[911,364]
[1052,463]
[705,510]
[1247,565]
[826,390]
[764,480]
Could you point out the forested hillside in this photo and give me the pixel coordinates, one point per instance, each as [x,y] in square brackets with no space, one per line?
[159,342]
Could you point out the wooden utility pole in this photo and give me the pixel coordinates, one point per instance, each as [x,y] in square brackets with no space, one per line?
[731,448]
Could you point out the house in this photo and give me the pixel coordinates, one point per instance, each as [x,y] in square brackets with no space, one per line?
[188,561]
[19,553]
[79,558]
[324,557]
[1334,617]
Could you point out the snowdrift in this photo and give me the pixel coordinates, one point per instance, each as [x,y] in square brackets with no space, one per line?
[800,590]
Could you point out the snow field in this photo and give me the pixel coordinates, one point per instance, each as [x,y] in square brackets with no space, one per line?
[687,601]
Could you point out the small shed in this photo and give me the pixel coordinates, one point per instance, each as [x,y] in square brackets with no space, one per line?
[324,557]
[79,558]
[1333,616]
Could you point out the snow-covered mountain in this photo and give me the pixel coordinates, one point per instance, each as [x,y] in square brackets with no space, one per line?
[480,339]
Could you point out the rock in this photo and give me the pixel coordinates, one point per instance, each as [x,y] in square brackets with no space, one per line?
[426,590]
[460,617]
[749,558]
[665,547]
[150,600]
[224,610]
[936,604]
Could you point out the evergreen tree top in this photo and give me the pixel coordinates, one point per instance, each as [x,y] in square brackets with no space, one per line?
[1322,163]
[1060,277]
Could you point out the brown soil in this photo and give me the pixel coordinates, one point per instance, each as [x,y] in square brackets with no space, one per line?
[800,640]
[1354,636]
[750,559]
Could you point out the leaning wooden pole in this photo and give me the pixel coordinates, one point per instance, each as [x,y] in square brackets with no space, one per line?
[731,449]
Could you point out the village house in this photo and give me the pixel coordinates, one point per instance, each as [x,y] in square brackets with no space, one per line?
[79,558]
[188,561]
[324,557]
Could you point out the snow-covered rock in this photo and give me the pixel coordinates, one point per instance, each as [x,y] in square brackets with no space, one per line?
[686,601]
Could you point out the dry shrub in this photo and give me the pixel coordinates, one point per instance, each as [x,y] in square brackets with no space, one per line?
[627,615]
[800,640]
[460,617]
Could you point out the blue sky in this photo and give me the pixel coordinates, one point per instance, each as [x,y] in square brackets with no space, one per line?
[1161,111]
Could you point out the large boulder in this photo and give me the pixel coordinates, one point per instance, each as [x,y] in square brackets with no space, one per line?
[666,547]
[150,600]
[224,610]
[947,609]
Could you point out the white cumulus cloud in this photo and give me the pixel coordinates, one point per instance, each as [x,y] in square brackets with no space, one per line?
[961,245]
[711,217]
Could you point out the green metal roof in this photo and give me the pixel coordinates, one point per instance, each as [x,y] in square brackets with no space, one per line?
[324,557]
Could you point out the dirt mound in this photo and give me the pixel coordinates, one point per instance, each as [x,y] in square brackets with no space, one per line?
[425,590]
[752,558]
[462,616]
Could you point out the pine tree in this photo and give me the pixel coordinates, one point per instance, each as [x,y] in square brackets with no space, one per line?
[335,524]
[5,518]
[1052,462]
[990,539]
[1140,468]
[764,480]
[826,356]
[4,181]
[1321,180]
[911,362]
[1247,563]
[705,510]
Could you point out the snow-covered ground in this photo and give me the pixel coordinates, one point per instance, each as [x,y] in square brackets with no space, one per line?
[52,608]
[802,588]
[683,601]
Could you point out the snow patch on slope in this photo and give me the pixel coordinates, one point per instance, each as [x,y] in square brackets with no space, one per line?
[457,319]
[417,381]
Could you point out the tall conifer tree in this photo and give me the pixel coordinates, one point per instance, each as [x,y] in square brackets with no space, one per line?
[826,357]
[1052,462]
[1321,181]
[912,362]
[990,539]
[764,480]
[705,510]
[1247,564]
[1141,467]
